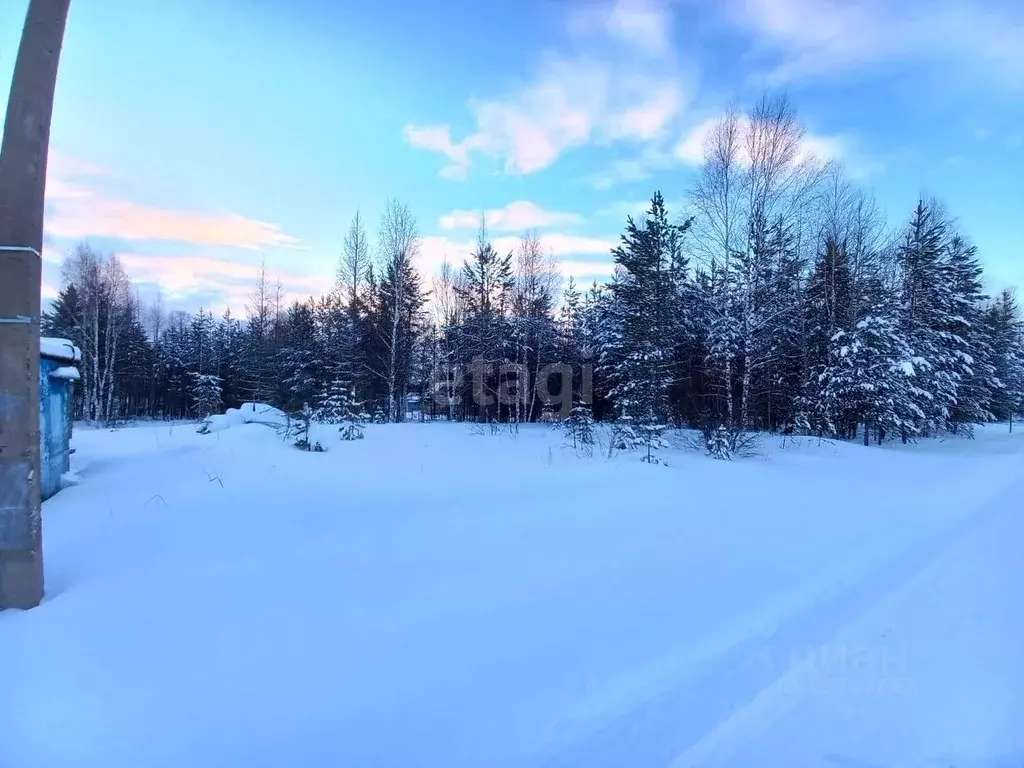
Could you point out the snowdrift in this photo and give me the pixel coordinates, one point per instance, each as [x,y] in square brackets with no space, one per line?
[249,413]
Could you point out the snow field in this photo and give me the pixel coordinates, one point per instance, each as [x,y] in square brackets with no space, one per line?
[428,596]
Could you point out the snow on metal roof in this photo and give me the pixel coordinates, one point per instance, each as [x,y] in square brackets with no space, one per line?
[59,349]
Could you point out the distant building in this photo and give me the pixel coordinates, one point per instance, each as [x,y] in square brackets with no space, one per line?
[58,373]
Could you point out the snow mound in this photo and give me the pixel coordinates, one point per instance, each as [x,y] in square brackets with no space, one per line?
[249,413]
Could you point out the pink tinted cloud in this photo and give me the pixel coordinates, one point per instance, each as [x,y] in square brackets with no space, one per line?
[79,208]
[182,276]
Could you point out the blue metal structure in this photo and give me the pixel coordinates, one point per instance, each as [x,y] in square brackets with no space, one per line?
[57,377]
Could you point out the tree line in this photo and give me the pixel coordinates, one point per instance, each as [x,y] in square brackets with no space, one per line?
[779,299]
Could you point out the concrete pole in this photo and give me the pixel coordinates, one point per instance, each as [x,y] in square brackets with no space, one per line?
[22,189]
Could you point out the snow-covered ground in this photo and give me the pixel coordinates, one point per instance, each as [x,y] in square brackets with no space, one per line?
[432,597]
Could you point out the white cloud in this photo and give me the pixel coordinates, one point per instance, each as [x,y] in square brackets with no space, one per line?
[642,23]
[620,84]
[561,245]
[823,147]
[645,25]
[690,149]
[228,282]
[514,217]
[438,138]
[597,270]
[817,37]
[648,119]
[637,168]
[454,172]
[435,250]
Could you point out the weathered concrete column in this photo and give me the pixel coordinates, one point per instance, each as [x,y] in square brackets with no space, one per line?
[22,189]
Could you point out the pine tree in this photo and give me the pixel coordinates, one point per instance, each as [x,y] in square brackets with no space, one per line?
[302,427]
[829,308]
[871,377]
[335,405]
[206,394]
[298,360]
[967,339]
[928,314]
[638,353]
[719,444]
[579,428]
[1007,341]
[352,427]
[570,320]
[63,318]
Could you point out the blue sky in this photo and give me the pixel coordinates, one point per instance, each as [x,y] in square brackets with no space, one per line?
[194,138]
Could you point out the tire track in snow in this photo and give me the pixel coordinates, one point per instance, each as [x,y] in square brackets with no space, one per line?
[781,696]
[704,699]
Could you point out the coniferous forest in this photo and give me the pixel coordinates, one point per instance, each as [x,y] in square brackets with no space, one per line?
[779,299]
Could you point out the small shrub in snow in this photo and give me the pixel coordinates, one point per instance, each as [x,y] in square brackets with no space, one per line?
[379,417]
[624,437]
[721,441]
[346,411]
[725,443]
[579,429]
[650,437]
[719,444]
[299,429]
[351,431]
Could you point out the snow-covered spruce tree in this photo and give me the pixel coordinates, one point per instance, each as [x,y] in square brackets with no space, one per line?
[719,444]
[334,406]
[624,436]
[637,352]
[579,428]
[298,361]
[769,322]
[968,340]
[1006,333]
[352,417]
[928,313]
[723,340]
[828,309]
[871,377]
[206,394]
[301,429]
